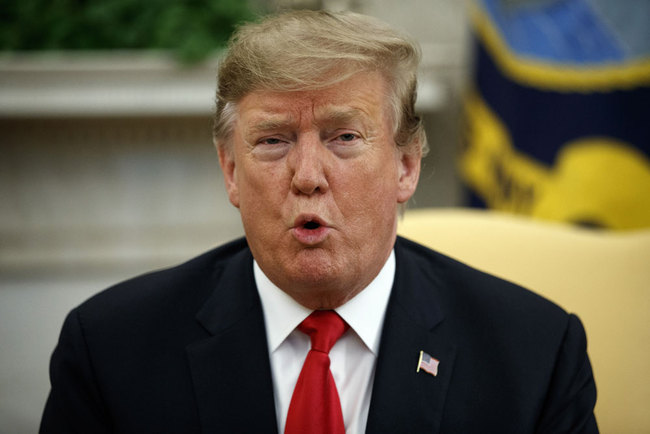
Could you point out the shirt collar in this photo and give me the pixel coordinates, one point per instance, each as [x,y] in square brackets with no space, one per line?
[364,313]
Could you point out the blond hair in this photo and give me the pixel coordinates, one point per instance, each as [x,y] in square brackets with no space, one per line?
[306,50]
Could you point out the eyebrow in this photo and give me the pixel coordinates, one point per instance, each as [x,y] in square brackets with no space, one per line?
[336,115]
[331,115]
[267,124]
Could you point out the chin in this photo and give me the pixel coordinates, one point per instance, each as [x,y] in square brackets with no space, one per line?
[314,273]
[321,296]
[315,269]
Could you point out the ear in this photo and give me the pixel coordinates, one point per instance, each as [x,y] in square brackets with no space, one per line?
[409,174]
[227,162]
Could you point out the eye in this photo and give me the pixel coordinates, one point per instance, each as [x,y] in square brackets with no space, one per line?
[347,137]
[346,144]
[270,141]
[270,148]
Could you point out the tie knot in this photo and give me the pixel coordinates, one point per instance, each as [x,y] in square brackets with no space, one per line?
[324,328]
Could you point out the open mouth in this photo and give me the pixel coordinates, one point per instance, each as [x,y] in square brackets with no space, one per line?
[310,230]
[311,225]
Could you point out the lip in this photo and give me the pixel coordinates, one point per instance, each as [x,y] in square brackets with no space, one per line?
[307,235]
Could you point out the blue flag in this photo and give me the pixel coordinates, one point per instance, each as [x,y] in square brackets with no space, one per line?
[558,118]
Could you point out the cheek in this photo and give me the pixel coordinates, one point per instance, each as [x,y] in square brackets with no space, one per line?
[259,185]
[371,189]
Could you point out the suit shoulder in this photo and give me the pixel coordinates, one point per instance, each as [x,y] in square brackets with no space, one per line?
[190,282]
[463,287]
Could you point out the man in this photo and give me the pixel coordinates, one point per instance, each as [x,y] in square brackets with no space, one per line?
[320,148]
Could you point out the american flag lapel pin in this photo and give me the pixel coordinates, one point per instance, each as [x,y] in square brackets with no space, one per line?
[428,364]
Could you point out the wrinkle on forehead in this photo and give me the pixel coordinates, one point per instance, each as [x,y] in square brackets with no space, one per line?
[350,102]
[326,116]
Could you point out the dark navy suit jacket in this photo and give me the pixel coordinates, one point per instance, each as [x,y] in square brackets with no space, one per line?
[184,351]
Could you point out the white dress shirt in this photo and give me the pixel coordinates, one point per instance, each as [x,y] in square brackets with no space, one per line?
[353,357]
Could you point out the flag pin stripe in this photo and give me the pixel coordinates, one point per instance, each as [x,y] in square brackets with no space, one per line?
[428,364]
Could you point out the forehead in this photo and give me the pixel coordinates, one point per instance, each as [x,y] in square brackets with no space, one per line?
[363,96]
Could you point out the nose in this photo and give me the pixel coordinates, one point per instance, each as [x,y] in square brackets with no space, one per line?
[307,161]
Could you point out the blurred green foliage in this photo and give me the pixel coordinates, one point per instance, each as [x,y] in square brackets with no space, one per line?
[190,28]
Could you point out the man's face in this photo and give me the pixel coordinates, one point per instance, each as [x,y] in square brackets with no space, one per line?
[317,178]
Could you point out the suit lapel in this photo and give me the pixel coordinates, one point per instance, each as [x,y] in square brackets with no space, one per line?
[230,369]
[402,399]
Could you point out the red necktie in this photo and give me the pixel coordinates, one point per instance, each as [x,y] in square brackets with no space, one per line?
[315,406]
